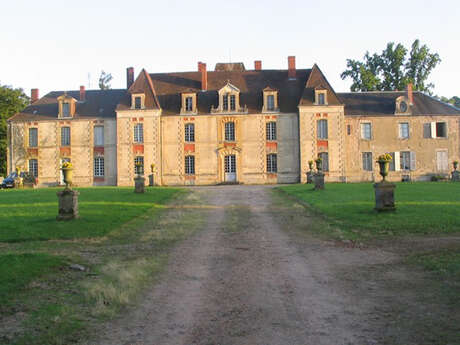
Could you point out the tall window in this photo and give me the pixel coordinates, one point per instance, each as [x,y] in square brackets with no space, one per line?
[139,165]
[188,104]
[271,131]
[189,132]
[98,136]
[367,161]
[33,167]
[33,137]
[270,102]
[190,165]
[366,131]
[229,131]
[65,136]
[225,102]
[99,170]
[441,130]
[404,130]
[139,133]
[321,99]
[322,129]
[137,102]
[232,102]
[66,109]
[272,166]
[405,160]
[325,160]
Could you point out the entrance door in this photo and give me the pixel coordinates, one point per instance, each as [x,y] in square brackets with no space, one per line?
[230,168]
[63,160]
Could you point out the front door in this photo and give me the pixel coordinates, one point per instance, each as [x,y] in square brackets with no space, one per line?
[63,160]
[230,168]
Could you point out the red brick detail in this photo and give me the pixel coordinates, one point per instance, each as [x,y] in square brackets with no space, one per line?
[32,152]
[35,123]
[325,115]
[274,117]
[138,148]
[318,115]
[267,117]
[229,144]
[99,150]
[134,119]
[99,179]
[192,119]
[68,122]
[190,177]
[272,175]
[65,151]
[189,147]
[141,119]
[322,143]
[95,121]
[271,144]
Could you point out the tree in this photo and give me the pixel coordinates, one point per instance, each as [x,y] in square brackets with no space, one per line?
[11,102]
[104,81]
[392,69]
[455,101]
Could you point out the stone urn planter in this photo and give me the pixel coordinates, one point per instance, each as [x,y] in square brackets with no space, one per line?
[455,173]
[139,180]
[310,173]
[384,190]
[68,198]
[455,164]
[68,177]
[319,164]
[384,167]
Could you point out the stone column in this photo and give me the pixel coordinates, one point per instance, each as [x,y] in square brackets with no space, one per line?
[318,178]
[384,196]
[139,184]
[68,204]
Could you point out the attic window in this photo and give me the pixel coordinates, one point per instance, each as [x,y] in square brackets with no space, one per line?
[321,97]
[402,105]
[188,103]
[66,106]
[229,100]
[138,101]
[66,109]
[270,100]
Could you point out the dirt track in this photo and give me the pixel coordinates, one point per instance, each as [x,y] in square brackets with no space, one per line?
[250,278]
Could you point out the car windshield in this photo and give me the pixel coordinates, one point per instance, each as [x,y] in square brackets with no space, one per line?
[12,175]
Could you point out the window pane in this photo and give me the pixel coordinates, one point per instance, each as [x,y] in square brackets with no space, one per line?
[65,136]
[190,165]
[139,165]
[98,136]
[405,160]
[65,109]
[229,131]
[270,102]
[367,161]
[321,98]
[139,133]
[322,129]
[190,132]
[33,137]
[392,162]
[366,131]
[137,102]
[404,130]
[188,104]
[33,167]
[225,102]
[325,160]
[271,130]
[232,102]
[99,170]
[441,131]
[272,163]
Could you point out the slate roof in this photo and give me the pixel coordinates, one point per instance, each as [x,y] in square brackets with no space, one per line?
[383,103]
[317,81]
[98,103]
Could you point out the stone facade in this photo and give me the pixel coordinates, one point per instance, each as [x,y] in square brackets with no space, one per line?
[148,121]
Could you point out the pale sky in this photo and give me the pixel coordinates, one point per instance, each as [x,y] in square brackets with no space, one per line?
[54,45]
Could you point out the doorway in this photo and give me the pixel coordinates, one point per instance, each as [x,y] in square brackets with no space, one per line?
[230,168]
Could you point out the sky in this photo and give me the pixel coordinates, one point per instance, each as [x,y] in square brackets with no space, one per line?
[60,45]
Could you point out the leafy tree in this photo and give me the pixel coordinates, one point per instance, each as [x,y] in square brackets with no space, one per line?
[11,102]
[393,69]
[455,101]
[104,81]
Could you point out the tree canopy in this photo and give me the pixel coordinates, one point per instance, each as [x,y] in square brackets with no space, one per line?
[393,69]
[11,102]
[104,81]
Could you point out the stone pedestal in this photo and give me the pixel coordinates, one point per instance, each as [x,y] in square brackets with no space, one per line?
[318,178]
[384,196]
[151,180]
[310,176]
[455,176]
[139,184]
[68,204]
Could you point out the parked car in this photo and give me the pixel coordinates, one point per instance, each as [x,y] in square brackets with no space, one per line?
[8,182]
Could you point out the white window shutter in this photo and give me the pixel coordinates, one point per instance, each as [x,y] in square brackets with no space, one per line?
[412,161]
[433,129]
[397,161]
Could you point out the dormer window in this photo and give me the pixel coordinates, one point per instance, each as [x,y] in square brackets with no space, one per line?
[188,103]
[66,109]
[402,106]
[229,100]
[66,105]
[270,100]
[138,101]
[321,97]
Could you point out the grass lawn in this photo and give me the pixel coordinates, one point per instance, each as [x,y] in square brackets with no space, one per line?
[422,208]
[28,214]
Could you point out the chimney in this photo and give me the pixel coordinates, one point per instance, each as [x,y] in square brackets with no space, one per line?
[204,76]
[33,95]
[82,93]
[291,67]
[410,95]
[257,65]
[129,77]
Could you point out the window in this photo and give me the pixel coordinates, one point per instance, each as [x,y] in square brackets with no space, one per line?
[33,167]
[366,131]
[271,131]
[98,136]
[229,131]
[322,129]
[99,170]
[139,133]
[65,136]
[392,165]
[190,165]
[65,109]
[189,132]
[137,102]
[139,165]
[270,102]
[441,130]
[404,130]
[188,104]
[232,102]
[321,98]
[225,102]
[324,160]
[405,160]
[272,163]
[435,130]
[367,161]
[33,137]
[348,129]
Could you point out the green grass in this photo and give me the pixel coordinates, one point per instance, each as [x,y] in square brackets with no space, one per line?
[445,263]
[18,270]
[27,215]
[422,208]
